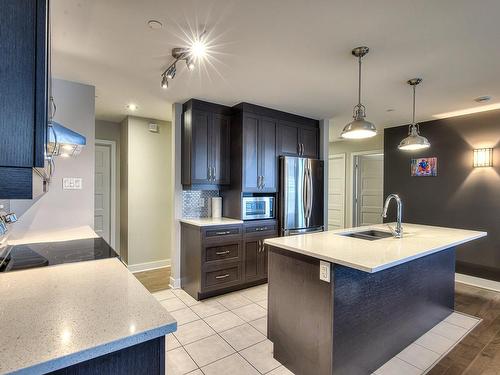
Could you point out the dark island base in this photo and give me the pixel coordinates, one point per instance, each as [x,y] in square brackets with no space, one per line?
[147,358]
[360,320]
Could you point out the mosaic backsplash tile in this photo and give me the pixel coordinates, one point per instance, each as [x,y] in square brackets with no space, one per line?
[192,203]
[6,205]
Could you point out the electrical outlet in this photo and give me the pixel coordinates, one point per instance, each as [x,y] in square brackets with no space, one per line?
[201,202]
[324,271]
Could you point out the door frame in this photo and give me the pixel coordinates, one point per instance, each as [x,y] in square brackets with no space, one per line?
[344,157]
[354,181]
[112,144]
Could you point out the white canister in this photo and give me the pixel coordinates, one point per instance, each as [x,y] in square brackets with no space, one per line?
[216,207]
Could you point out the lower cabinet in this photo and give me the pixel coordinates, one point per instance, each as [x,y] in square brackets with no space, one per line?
[217,260]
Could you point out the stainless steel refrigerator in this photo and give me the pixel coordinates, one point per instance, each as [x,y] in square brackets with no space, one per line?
[301,195]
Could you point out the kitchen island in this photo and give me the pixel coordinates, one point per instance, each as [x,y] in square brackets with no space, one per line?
[380,295]
[89,317]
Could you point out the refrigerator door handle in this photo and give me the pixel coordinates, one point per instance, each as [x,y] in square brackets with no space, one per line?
[310,193]
[305,186]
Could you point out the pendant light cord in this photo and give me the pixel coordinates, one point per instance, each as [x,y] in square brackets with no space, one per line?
[413,118]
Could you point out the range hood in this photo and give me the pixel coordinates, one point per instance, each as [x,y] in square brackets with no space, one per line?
[63,141]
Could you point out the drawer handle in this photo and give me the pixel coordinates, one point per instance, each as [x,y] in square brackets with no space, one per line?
[222,276]
[222,252]
[222,233]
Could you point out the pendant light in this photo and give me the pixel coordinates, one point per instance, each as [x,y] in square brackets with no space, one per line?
[359,127]
[414,141]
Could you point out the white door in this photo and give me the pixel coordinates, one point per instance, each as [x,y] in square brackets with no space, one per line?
[102,198]
[368,189]
[336,191]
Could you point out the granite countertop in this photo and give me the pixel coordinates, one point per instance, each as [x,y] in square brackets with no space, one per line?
[209,221]
[54,317]
[377,255]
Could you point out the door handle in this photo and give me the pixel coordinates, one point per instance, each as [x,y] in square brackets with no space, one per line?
[213,174]
[304,194]
[303,148]
[310,192]
[263,184]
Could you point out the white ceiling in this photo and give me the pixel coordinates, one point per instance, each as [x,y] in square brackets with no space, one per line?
[286,54]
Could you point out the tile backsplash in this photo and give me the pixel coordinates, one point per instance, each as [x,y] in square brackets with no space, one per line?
[6,205]
[197,203]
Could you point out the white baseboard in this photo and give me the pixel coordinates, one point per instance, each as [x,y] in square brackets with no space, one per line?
[477,281]
[148,266]
[174,283]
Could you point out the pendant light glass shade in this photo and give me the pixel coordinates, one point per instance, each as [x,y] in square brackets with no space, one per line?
[359,128]
[414,141]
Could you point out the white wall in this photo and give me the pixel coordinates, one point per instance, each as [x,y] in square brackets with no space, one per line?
[60,208]
[110,131]
[149,192]
[349,147]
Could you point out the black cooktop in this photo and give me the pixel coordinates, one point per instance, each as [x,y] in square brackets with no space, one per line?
[21,257]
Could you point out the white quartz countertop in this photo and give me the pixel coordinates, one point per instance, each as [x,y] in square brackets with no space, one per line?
[54,235]
[54,317]
[209,221]
[377,255]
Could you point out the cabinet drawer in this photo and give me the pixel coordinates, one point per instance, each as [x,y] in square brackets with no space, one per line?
[225,252]
[261,229]
[223,277]
[222,232]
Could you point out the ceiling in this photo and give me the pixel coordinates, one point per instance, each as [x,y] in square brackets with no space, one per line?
[286,54]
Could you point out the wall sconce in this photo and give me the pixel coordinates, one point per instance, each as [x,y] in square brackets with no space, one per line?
[483,157]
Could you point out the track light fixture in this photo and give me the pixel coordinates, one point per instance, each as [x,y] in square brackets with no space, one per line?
[191,55]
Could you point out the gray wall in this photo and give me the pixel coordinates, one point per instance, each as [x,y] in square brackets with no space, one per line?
[460,196]
[110,131]
[60,208]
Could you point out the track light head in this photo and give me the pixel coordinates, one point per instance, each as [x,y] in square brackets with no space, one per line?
[164,82]
[190,64]
[171,71]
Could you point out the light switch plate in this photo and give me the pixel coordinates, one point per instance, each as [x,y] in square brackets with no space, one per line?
[72,183]
[324,271]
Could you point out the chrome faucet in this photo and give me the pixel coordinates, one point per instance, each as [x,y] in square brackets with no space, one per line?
[398,231]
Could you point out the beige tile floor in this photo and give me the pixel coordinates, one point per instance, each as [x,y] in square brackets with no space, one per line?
[226,335]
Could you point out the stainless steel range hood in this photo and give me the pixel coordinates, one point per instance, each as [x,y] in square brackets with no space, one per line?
[63,141]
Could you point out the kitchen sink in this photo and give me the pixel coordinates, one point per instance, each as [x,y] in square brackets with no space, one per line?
[369,235]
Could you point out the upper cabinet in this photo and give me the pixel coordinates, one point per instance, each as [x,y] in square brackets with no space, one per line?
[295,139]
[205,144]
[23,98]
[259,162]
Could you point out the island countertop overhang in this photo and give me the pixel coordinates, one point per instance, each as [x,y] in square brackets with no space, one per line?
[374,256]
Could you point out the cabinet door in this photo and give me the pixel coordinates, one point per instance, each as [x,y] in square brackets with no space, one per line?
[17,83]
[250,166]
[252,259]
[309,138]
[201,147]
[221,148]
[268,161]
[288,139]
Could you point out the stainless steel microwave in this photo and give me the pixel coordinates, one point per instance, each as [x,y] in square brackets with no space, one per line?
[253,208]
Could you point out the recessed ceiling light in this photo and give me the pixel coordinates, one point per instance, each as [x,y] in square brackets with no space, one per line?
[132,107]
[482,99]
[154,24]
[390,110]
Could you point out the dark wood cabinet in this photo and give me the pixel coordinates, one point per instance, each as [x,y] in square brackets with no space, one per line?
[220,259]
[205,144]
[255,251]
[260,163]
[23,94]
[295,139]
